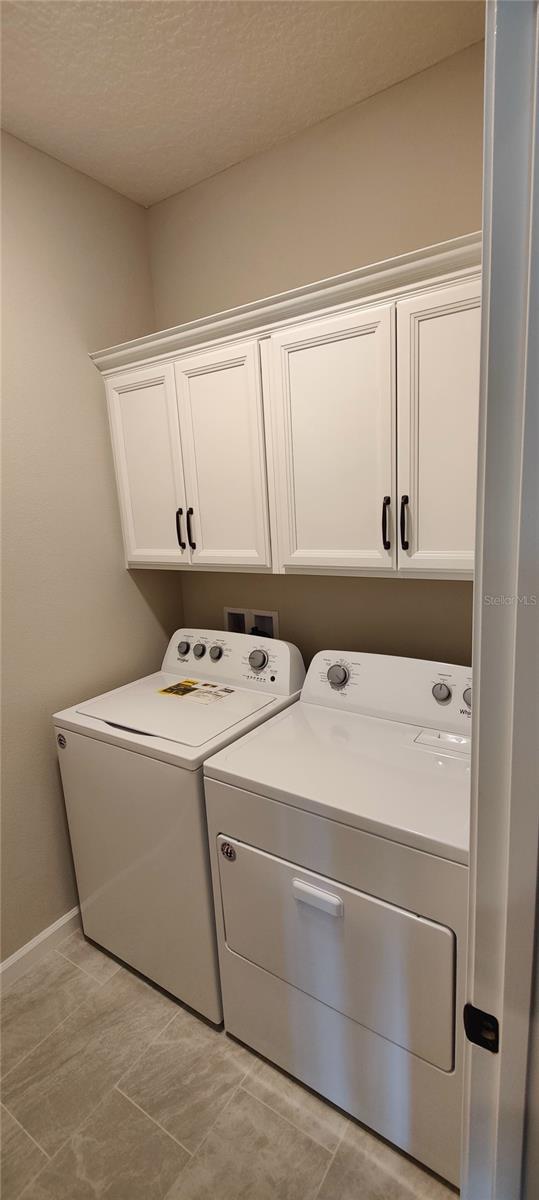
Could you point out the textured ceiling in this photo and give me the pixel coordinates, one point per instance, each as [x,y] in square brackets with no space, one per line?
[151,97]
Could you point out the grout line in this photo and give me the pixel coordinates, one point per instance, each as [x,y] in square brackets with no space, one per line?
[69,1139]
[69,1136]
[287,1119]
[99,987]
[90,1114]
[55,1028]
[100,982]
[31,1181]
[40,1043]
[235,1089]
[143,1052]
[331,1161]
[154,1121]
[224,1106]
[89,974]
[29,1135]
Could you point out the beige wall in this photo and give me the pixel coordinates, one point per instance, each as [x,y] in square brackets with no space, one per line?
[398,171]
[75,277]
[383,616]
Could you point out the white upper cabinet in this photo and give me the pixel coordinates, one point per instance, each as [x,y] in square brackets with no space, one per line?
[332,402]
[344,417]
[222,433]
[438,340]
[145,438]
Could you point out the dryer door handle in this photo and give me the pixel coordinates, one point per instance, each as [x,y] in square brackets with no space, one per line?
[317,898]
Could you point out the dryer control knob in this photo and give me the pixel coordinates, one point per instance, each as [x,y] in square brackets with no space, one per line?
[441,692]
[183,648]
[258,660]
[199,650]
[216,653]
[467,697]
[338,676]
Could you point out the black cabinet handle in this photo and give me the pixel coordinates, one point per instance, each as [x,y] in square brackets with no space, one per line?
[179,515]
[405,500]
[192,544]
[385,506]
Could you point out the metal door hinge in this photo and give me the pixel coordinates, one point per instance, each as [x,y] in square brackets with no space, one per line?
[481,1028]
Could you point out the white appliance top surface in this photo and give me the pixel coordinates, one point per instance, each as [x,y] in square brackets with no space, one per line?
[213,686]
[405,781]
[181,708]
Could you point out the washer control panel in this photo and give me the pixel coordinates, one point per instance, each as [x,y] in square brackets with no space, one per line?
[413,691]
[237,658]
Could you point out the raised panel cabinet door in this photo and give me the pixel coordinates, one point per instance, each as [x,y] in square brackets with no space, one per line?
[333,414]
[438,347]
[147,454]
[221,421]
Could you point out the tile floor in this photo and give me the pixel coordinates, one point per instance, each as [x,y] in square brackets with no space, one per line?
[111,1090]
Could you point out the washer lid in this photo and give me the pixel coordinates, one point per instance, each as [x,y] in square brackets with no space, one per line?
[179,708]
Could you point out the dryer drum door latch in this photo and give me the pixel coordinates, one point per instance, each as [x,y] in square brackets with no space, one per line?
[481,1028]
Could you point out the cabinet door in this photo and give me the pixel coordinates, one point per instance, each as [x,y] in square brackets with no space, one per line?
[220,406]
[438,341]
[333,410]
[146,444]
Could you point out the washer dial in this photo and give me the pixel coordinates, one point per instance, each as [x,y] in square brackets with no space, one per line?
[183,648]
[467,697]
[338,675]
[258,660]
[199,650]
[216,653]
[441,692]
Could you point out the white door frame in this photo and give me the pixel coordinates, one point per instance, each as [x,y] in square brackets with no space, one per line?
[505,762]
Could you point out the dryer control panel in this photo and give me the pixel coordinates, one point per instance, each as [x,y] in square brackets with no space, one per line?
[264,664]
[412,690]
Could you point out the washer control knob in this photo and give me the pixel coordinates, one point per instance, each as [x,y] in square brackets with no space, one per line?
[338,676]
[199,650]
[258,660]
[441,692]
[467,697]
[216,653]
[183,648]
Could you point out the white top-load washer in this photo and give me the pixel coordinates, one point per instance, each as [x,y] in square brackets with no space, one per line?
[339,848]
[131,764]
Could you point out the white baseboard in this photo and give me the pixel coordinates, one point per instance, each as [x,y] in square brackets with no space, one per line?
[27,956]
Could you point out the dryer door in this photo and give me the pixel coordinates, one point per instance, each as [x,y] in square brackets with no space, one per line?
[384,967]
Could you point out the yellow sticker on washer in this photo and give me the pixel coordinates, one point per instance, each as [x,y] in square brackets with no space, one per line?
[193,687]
[183,688]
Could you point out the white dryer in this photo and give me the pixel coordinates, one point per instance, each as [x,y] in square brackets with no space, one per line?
[339,847]
[131,764]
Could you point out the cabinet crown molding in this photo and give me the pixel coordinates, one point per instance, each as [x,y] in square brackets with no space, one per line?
[377,282]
